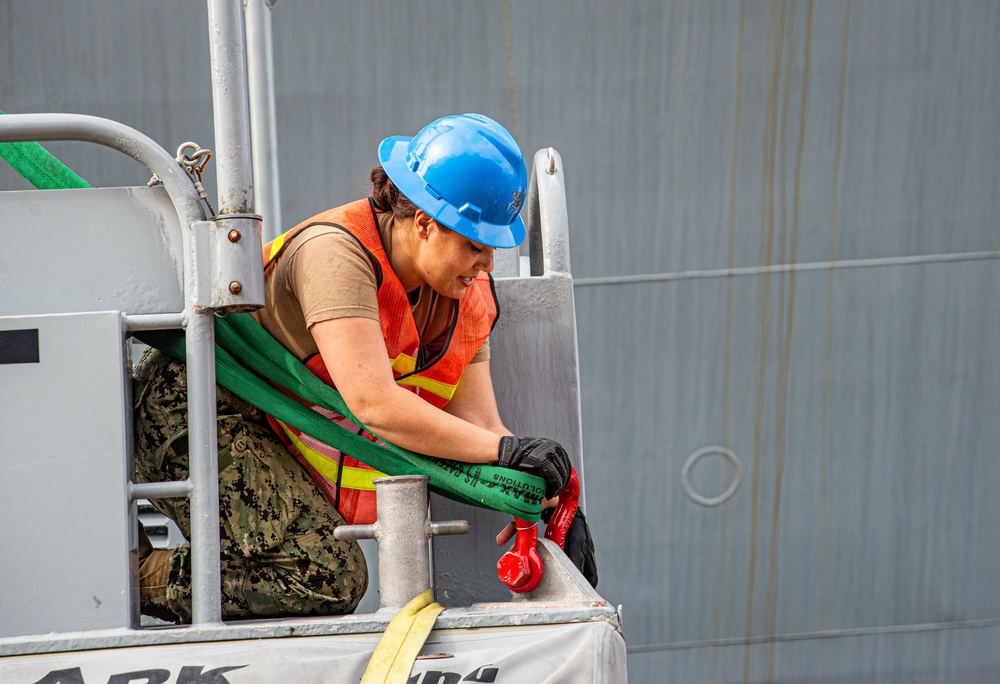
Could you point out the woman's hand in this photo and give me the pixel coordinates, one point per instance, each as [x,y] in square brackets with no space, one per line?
[538,456]
[475,402]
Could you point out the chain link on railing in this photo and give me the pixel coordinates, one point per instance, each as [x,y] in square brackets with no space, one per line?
[194,166]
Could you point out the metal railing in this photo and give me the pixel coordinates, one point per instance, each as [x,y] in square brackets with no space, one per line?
[199,243]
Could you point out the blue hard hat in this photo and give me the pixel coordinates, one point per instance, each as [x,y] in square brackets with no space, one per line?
[466,172]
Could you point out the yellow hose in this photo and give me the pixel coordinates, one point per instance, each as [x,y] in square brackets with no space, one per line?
[395,654]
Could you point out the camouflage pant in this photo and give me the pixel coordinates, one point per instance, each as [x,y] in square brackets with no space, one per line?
[279,556]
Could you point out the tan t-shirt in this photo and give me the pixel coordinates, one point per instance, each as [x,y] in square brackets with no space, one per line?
[324,274]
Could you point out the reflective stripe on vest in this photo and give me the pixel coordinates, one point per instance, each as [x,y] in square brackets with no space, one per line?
[403,365]
[354,478]
[275,247]
[436,382]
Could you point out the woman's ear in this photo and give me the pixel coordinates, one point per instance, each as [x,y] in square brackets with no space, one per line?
[422,224]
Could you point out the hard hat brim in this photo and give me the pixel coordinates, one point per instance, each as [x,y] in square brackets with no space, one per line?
[392,154]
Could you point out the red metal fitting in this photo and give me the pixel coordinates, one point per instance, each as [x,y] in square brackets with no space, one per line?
[565,511]
[521,567]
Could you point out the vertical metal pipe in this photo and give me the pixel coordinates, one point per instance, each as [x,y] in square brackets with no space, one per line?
[232,115]
[206,592]
[263,121]
[235,192]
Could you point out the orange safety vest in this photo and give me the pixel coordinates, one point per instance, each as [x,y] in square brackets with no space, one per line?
[345,481]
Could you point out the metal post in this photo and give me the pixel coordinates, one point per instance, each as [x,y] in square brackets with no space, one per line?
[263,121]
[404,564]
[402,531]
[229,100]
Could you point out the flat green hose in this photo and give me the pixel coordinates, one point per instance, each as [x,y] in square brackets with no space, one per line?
[39,167]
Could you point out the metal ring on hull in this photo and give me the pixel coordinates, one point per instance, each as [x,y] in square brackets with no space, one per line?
[694,458]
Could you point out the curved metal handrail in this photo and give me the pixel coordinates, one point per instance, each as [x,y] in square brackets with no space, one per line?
[84,128]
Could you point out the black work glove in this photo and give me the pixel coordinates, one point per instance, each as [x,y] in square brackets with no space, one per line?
[580,547]
[542,457]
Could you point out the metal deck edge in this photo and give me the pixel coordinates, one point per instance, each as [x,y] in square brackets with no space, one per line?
[478,616]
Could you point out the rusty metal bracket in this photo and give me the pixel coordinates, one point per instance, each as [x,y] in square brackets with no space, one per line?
[228,274]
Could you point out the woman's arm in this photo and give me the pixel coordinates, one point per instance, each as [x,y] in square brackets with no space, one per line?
[474,400]
[354,353]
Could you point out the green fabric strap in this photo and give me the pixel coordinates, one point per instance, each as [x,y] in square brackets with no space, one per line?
[242,345]
[39,167]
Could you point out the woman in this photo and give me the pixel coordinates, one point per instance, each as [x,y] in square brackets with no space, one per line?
[389,300]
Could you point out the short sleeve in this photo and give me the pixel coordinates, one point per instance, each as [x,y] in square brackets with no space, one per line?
[483,353]
[332,277]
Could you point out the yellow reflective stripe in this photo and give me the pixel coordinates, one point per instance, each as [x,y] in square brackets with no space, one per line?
[353,478]
[277,245]
[404,364]
[435,386]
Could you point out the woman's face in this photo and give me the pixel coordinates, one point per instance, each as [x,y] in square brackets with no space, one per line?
[449,262]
